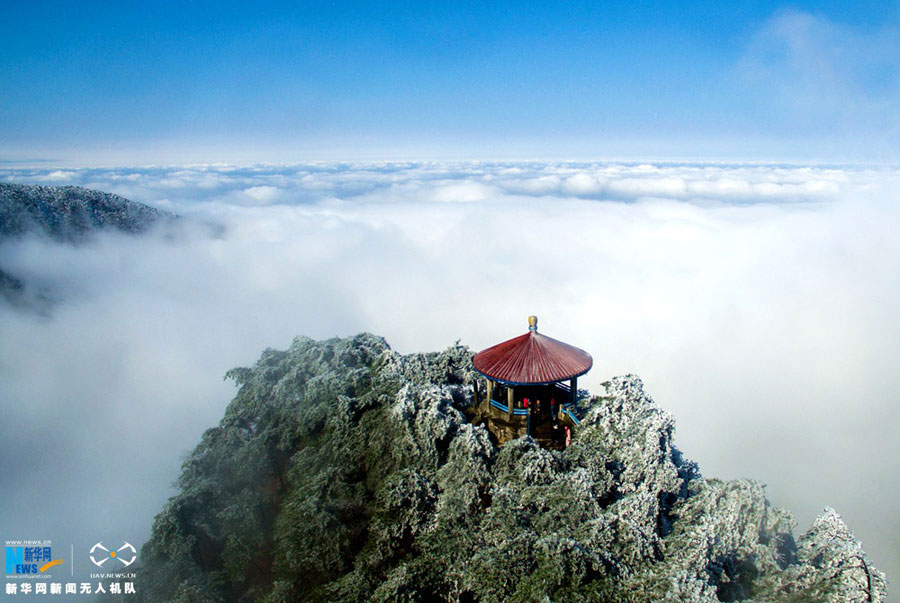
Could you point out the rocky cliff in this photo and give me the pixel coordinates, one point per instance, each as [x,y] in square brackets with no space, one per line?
[344,471]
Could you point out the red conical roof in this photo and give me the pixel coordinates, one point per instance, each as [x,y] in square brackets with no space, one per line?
[532,358]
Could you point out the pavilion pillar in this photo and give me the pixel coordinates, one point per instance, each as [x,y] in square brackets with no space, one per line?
[573,389]
[510,398]
[490,392]
[475,393]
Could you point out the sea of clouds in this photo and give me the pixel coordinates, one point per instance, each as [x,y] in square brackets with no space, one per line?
[759,303]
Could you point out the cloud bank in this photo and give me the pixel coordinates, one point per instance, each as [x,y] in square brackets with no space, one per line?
[758,303]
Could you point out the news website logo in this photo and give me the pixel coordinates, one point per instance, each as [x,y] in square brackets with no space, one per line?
[126,554]
[30,558]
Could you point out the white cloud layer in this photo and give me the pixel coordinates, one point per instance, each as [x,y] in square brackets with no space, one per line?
[758,302]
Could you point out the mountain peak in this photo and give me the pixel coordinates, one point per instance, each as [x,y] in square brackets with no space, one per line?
[345,471]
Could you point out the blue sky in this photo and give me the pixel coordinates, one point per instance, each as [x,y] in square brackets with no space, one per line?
[195,81]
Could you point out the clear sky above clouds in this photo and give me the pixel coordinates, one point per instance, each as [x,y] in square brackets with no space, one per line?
[198,81]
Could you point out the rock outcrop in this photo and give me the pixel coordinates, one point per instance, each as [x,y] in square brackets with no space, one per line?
[344,471]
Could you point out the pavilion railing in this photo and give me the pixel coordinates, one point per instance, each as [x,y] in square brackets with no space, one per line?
[503,407]
[567,408]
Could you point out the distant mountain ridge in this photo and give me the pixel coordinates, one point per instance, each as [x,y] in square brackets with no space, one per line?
[65,214]
[71,213]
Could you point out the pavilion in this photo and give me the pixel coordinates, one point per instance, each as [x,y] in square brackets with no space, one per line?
[532,383]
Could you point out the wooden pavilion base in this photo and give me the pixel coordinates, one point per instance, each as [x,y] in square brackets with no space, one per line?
[503,429]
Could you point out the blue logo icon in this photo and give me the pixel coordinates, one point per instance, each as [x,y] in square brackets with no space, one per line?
[29,560]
